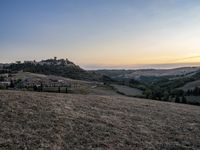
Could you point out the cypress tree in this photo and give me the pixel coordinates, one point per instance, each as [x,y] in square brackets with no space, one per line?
[184,100]
[177,100]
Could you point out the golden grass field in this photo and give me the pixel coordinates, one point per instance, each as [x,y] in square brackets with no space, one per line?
[31,120]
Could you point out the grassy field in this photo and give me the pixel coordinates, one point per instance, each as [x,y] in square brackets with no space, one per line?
[31,120]
[126,90]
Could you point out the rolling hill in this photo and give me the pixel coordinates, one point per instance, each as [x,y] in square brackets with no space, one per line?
[149,73]
[32,120]
[58,67]
[191,85]
[57,74]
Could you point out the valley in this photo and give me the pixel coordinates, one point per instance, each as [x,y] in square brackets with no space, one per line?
[63,76]
[44,108]
[99,75]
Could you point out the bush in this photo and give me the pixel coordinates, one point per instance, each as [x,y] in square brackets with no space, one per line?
[177,100]
[184,100]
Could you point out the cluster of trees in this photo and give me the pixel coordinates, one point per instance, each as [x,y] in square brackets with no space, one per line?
[167,90]
[162,89]
[177,96]
[70,71]
[194,92]
[40,88]
[2,78]
[2,71]
[181,100]
[12,83]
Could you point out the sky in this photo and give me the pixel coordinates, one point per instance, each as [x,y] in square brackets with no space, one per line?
[102,33]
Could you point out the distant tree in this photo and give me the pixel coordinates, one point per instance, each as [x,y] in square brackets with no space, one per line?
[177,100]
[184,100]
[41,86]
[133,81]
[178,93]
[189,92]
[157,94]
[196,91]
[106,79]
[18,62]
[2,78]
[166,96]
[35,88]
[12,85]
[62,62]
[148,94]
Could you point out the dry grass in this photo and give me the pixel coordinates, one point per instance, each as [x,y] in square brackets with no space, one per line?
[126,90]
[33,78]
[31,120]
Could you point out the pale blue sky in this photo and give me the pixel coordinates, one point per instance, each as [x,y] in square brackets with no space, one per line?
[101,33]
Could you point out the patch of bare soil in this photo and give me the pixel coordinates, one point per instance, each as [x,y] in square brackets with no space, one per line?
[32,121]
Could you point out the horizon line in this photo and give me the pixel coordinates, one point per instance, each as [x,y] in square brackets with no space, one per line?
[126,67]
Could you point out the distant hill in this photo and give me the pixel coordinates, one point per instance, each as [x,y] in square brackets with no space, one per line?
[161,84]
[191,85]
[58,67]
[139,74]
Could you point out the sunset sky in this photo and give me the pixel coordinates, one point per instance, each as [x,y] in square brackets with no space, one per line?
[102,33]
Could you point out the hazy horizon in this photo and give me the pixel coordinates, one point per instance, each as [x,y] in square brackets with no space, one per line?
[126,67]
[102,34]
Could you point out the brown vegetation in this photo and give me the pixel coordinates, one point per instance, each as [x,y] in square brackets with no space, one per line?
[31,120]
[126,90]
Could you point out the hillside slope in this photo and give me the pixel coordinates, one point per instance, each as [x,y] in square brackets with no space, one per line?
[149,72]
[191,85]
[58,67]
[62,121]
